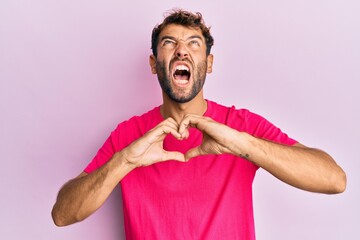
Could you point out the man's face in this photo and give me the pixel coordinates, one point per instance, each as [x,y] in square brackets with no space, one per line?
[181,63]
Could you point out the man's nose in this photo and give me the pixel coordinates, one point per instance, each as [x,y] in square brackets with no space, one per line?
[181,50]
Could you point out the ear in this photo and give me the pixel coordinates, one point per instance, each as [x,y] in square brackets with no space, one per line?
[152,61]
[209,60]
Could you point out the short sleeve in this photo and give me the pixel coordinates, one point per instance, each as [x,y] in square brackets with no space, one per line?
[103,155]
[258,126]
[124,134]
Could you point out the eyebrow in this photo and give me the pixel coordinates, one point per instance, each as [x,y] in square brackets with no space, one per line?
[175,39]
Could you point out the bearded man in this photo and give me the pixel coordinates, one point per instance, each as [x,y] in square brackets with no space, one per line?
[186,167]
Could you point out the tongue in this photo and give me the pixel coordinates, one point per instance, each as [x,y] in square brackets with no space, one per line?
[181,75]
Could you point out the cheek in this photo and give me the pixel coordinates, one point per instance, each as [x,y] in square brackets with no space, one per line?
[200,57]
[161,68]
[163,54]
[162,60]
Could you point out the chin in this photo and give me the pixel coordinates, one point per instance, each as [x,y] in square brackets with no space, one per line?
[181,99]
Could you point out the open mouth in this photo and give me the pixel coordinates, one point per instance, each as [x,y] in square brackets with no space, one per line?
[181,74]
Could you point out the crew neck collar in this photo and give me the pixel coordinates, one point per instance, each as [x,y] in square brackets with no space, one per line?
[208,112]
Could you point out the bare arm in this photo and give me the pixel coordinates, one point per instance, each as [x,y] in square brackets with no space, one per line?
[83,195]
[302,167]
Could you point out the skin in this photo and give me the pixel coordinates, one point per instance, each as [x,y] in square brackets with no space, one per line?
[164,66]
[300,166]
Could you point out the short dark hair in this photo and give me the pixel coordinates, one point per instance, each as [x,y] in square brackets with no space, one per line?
[183,18]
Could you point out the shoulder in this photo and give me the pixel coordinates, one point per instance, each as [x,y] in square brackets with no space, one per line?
[136,126]
[240,119]
[231,114]
[143,120]
[246,121]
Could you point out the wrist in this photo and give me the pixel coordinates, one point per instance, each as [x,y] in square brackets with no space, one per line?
[122,161]
[242,145]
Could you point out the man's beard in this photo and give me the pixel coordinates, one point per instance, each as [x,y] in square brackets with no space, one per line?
[180,96]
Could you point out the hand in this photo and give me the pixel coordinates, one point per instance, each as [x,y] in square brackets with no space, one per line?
[148,149]
[217,138]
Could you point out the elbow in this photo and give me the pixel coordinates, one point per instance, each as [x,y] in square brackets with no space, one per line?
[341,182]
[338,182]
[58,218]
[61,217]
[58,221]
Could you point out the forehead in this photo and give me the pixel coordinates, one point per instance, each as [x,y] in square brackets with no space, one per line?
[180,32]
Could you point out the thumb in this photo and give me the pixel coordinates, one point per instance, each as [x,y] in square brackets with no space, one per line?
[194,152]
[178,156]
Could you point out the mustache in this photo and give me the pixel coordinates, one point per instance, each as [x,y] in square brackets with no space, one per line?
[176,59]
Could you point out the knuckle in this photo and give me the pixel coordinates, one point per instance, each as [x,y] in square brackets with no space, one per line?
[168,121]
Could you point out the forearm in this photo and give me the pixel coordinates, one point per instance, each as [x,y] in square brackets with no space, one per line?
[85,194]
[305,168]
[82,196]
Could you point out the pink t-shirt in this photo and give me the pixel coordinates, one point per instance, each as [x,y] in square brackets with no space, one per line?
[209,197]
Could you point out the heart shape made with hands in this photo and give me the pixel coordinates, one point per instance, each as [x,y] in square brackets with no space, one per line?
[149,149]
[212,131]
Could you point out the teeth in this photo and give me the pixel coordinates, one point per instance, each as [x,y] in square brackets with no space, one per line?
[182,67]
[181,81]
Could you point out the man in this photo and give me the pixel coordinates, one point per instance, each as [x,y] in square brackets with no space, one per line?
[186,167]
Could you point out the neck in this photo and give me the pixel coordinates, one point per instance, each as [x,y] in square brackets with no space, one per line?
[177,111]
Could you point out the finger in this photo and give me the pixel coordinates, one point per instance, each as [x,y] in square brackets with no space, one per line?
[187,122]
[173,156]
[160,132]
[186,134]
[194,152]
[171,122]
[174,125]
[170,130]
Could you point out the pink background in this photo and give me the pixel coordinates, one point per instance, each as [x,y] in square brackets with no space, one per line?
[71,70]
